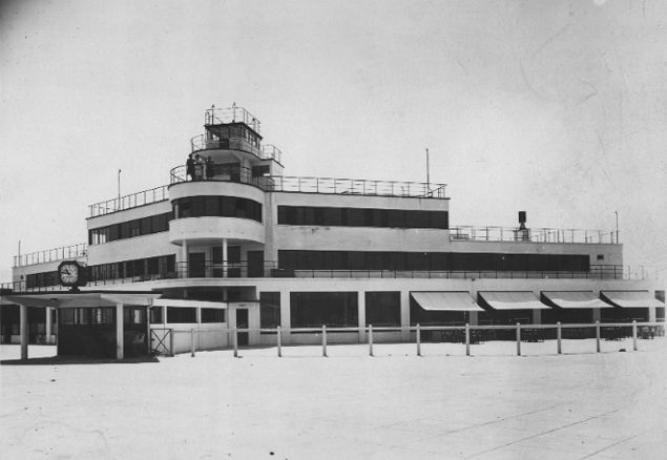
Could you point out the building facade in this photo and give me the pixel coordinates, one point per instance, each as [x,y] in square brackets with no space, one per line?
[233,243]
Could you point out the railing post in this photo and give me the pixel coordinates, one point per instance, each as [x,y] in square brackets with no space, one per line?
[192,342]
[518,339]
[467,339]
[559,336]
[324,340]
[236,342]
[278,344]
[419,348]
[597,336]
[634,335]
[370,340]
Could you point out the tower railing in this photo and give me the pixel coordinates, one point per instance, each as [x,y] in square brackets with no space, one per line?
[234,114]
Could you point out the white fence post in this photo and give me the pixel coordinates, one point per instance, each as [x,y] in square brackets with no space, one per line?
[518,339]
[235,339]
[597,336]
[370,340]
[280,351]
[559,336]
[467,339]
[324,340]
[192,342]
[634,335]
[419,348]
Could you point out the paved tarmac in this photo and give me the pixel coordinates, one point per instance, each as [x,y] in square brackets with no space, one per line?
[493,405]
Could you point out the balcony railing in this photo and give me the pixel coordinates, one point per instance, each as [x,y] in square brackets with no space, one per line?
[534,235]
[331,185]
[51,255]
[152,195]
[234,114]
[271,270]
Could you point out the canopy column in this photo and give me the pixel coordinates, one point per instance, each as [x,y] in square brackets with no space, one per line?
[119,331]
[24,330]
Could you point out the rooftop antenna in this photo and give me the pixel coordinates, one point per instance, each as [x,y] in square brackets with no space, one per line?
[119,171]
[428,174]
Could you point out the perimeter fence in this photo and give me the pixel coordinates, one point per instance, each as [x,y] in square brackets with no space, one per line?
[555,338]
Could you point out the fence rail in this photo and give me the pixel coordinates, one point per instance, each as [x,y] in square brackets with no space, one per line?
[466,334]
[142,198]
[534,235]
[51,255]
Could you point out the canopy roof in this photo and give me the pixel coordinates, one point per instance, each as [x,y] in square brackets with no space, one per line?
[631,299]
[446,301]
[575,299]
[84,299]
[516,300]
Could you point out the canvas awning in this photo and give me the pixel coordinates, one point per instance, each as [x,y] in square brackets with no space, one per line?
[446,301]
[631,299]
[575,299]
[517,300]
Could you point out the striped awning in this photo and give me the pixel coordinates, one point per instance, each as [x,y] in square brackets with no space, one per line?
[631,299]
[446,301]
[575,299]
[512,300]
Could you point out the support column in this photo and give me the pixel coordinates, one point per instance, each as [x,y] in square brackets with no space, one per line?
[47,320]
[537,316]
[285,316]
[405,316]
[224,258]
[473,319]
[119,331]
[184,259]
[361,314]
[198,315]
[24,330]
[597,315]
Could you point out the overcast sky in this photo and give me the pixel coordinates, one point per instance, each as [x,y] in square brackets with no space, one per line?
[558,108]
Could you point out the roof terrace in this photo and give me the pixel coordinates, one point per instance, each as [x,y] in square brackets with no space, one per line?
[532,235]
[51,255]
[233,114]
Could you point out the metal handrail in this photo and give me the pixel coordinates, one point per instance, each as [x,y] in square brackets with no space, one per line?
[51,255]
[533,235]
[234,114]
[133,200]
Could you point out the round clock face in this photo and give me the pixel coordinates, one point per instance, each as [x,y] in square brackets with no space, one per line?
[69,273]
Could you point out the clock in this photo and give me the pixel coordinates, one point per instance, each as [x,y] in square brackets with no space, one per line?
[71,273]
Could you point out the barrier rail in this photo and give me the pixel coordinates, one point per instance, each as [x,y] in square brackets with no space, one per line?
[133,200]
[51,255]
[466,334]
[533,235]
[271,270]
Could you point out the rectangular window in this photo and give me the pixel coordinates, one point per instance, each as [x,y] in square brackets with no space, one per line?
[156,315]
[383,308]
[212,206]
[269,314]
[146,228]
[181,315]
[212,315]
[314,309]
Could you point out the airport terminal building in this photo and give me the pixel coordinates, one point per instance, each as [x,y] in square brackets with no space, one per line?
[232,243]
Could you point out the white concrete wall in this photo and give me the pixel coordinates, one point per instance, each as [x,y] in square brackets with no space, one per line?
[359,201]
[138,247]
[215,228]
[201,188]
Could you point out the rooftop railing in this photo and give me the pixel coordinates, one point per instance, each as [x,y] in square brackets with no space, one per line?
[534,235]
[271,270]
[234,114]
[331,185]
[51,255]
[142,198]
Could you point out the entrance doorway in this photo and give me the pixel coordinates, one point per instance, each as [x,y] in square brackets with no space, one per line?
[135,328]
[242,323]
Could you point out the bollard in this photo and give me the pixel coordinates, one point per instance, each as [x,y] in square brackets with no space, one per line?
[518,339]
[467,339]
[559,336]
[634,335]
[370,340]
[324,340]
[236,343]
[280,351]
[597,336]
[192,342]
[419,348]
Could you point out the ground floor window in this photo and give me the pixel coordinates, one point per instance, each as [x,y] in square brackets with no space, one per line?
[269,313]
[212,315]
[383,308]
[156,315]
[181,315]
[314,309]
